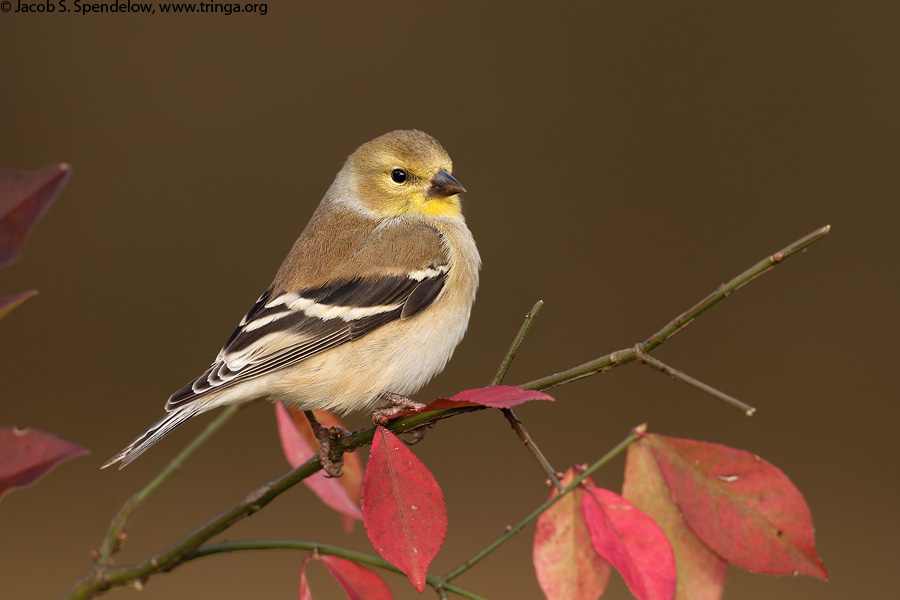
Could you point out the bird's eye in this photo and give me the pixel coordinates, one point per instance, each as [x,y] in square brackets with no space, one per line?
[398,176]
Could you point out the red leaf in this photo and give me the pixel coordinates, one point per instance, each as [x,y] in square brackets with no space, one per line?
[565,562]
[358,582]
[8,303]
[439,404]
[495,396]
[403,507]
[744,508]
[26,455]
[632,543]
[305,593]
[700,572]
[24,198]
[499,396]
[299,445]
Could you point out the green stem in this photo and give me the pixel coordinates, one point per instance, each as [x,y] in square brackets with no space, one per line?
[626,355]
[510,415]
[460,592]
[114,537]
[366,559]
[726,289]
[517,341]
[540,510]
[696,383]
[243,545]
[529,442]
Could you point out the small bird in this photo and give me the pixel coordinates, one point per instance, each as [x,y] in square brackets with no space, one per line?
[368,306]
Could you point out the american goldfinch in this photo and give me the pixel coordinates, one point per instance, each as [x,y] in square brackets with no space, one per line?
[369,304]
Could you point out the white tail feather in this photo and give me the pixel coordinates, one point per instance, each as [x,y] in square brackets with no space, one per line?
[156,431]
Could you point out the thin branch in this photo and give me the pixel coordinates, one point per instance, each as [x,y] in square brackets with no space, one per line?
[529,442]
[517,341]
[510,415]
[726,289]
[359,557]
[703,387]
[460,592]
[244,545]
[626,355]
[116,534]
[511,531]
[101,578]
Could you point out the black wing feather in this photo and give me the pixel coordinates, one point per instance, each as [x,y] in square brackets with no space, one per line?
[412,295]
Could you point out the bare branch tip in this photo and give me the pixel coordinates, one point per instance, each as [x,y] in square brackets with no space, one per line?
[750,412]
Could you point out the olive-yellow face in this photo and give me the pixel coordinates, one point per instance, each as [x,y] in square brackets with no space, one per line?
[406,172]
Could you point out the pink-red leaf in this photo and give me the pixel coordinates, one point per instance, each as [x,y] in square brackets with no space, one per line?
[700,572]
[299,445]
[26,455]
[632,543]
[742,507]
[305,592]
[403,507]
[24,198]
[499,396]
[8,303]
[358,582]
[565,562]
[495,396]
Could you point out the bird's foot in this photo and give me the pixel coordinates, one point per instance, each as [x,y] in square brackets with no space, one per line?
[330,455]
[399,404]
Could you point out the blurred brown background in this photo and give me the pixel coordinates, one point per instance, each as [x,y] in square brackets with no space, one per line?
[622,160]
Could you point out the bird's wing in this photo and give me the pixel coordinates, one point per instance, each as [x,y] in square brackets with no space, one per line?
[380,282]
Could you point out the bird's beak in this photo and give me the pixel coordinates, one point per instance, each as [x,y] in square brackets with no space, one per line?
[443,185]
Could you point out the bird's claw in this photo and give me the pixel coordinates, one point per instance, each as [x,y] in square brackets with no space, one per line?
[399,404]
[330,455]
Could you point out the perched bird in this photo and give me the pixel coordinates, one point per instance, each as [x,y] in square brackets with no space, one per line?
[369,304]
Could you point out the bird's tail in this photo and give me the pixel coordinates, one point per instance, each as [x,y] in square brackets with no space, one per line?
[169,422]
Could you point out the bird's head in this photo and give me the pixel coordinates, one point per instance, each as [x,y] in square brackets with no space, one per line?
[401,173]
